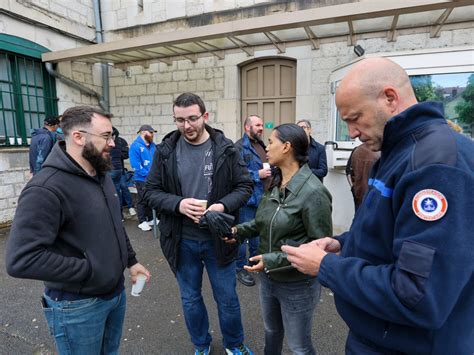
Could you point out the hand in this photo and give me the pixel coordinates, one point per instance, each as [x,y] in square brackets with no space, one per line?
[257,267]
[233,239]
[139,269]
[328,244]
[191,208]
[218,207]
[306,258]
[264,173]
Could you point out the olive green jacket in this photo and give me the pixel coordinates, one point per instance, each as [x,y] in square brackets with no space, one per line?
[304,215]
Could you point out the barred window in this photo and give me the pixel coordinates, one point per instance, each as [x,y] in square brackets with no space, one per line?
[27,91]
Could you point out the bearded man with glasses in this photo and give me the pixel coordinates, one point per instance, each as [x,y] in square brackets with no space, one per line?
[195,163]
[68,232]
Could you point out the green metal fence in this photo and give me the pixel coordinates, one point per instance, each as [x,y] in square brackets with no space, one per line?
[27,96]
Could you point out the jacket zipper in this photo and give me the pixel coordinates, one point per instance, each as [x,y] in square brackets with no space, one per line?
[271,225]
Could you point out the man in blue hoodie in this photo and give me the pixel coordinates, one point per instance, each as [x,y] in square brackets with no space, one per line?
[42,141]
[141,156]
[402,275]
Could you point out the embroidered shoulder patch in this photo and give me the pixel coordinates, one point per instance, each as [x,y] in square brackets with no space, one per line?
[429,205]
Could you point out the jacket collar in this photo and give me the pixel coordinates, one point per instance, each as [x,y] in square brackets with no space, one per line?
[410,120]
[296,183]
[220,142]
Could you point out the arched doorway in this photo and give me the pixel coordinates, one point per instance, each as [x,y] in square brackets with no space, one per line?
[269,90]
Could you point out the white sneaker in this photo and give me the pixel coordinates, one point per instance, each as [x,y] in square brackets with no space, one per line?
[144,226]
[132,212]
[151,223]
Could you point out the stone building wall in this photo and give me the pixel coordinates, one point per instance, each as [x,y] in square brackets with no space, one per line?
[55,25]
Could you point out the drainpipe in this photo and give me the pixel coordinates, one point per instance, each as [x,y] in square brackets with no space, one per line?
[76,85]
[105,69]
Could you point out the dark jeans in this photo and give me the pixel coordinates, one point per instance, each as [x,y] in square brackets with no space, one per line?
[287,310]
[120,183]
[144,211]
[87,326]
[247,214]
[193,256]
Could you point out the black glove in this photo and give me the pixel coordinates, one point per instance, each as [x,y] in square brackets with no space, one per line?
[218,223]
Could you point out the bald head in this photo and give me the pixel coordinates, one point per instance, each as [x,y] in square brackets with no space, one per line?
[370,76]
[373,91]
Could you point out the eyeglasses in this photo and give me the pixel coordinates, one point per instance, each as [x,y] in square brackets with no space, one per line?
[108,137]
[180,121]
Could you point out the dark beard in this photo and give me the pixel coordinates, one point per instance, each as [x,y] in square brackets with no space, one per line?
[149,139]
[95,158]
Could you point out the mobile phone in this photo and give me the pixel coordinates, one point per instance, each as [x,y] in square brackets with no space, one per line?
[292,243]
[252,263]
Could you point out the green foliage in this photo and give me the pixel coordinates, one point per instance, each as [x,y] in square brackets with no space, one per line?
[465,108]
[424,89]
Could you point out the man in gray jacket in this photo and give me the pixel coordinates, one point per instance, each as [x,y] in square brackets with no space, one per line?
[68,232]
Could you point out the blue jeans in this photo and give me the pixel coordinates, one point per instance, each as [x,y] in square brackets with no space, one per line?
[247,214]
[288,309]
[193,256]
[88,326]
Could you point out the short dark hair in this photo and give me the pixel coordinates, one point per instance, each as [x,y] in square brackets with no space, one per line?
[80,116]
[51,120]
[188,99]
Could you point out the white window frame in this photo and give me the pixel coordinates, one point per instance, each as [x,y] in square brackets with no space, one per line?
[420,62]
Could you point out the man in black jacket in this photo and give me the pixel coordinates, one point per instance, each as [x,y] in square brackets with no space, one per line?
[317,159]
[195,163]
[68,232]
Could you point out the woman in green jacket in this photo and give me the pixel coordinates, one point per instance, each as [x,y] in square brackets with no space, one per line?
[296,209]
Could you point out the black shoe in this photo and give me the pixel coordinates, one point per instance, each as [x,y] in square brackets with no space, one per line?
[245,278]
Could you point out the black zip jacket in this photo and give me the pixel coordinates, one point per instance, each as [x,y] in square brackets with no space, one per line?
[67,230]
[231,186]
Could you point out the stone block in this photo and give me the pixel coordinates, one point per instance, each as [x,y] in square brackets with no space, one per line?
[152,110]
[11,177]
[77,76]
[207,85]
[167,110]
[122,101]
[185,64]
[187,86]
[213,95]
[180,75]
[139,111]
[214,72]
[6,191]
[134,100]
[137,89]
[161,77]
[206,62]
[219,84]
[167,88]
[164,99]
[143,79]
[152,89]
[147,100]
[175,9]
[197,74]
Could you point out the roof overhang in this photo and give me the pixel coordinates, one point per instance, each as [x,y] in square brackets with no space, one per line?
[311,25]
